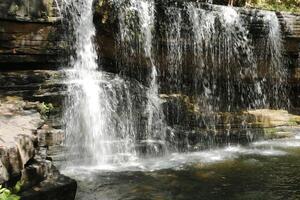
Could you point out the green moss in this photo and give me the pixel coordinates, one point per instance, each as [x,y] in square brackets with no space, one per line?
[294,121]
[270,132]
[275,5]
[274,133]
[101,7]
[45,108]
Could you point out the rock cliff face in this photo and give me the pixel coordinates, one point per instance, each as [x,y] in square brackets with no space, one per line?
[190,121]
[291,24]
[30,35]
[29,10]
[32,48]
[107,23]
[27,44]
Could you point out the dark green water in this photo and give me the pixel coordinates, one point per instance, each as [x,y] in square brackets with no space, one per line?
[265,170]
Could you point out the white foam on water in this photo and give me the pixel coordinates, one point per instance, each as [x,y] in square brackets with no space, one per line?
[179,160]
[284,143]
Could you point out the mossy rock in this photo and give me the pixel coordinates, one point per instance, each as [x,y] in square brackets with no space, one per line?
[274,133]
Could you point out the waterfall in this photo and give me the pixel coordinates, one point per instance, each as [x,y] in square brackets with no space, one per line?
[223,50]
[111,122]
[212,45]
[274,53]
[102,115]
[223,59]
[98,110]
[136,29]
[174,48]
[275,45]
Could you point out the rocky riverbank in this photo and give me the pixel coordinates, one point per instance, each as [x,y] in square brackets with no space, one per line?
[24,141]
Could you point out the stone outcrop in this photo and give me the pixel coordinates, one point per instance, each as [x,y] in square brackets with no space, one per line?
[30,45]
[106,20]
[17,139]
[291,24]
[31,34]
[195,128]
[24,141]
[57,187]
[34,85]
[29,10]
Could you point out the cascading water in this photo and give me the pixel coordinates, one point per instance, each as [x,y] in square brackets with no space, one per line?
[222,51]
[220,54]
[136,24]
[102,122]
[98,112]
[274,53]
[174,48]
[223,60]
[275,46]
[103,126]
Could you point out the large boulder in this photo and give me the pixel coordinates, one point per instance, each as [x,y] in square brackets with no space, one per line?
[24,140]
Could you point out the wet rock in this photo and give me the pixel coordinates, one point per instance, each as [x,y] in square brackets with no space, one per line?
[106,21]
[50,137]
[151,148]
[56,187]
[31,34]
[28,45]
[274,118]
[193,129]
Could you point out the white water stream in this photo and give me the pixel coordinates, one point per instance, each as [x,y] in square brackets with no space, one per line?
[101,127]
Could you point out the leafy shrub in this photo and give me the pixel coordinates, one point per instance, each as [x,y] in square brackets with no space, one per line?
[45,108]
[7,194]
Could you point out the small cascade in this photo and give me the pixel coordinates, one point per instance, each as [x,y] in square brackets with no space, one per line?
[275,45]
[211,47]
[223,60]
[136,29]
[174,48]
[222,52]
[274,53]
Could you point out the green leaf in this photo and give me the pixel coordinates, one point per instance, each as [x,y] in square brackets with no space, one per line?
[18,187]
[6,194]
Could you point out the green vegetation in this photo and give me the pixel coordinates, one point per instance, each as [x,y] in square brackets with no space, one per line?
[277,5]
[45,108]
[270,133]
[10,194]
[294,121]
